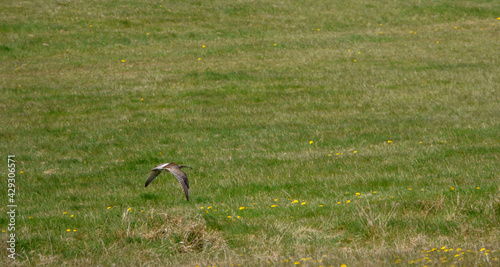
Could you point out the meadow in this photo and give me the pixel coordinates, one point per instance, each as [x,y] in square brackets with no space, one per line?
[320,133]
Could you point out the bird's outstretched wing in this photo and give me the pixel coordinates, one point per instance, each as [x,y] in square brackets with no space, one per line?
[183,180]
[152,176]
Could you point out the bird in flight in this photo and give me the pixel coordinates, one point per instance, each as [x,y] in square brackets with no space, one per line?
[176,171]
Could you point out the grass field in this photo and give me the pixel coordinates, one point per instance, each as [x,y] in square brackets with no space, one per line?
[320,133]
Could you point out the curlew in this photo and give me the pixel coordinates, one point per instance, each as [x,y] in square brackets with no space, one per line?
[176,171]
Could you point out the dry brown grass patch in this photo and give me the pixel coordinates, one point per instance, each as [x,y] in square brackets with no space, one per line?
[187,235]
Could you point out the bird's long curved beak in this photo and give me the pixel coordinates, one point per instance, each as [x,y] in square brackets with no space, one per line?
[182,166]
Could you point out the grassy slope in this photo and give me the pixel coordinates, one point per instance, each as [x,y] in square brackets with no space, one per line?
[96,93]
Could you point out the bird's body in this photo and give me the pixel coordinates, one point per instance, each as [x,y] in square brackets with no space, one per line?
[176,171]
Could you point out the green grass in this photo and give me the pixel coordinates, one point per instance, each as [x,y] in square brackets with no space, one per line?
[95,93]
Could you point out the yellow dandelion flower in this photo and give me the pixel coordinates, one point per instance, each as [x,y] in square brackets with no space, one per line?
[389,141]
[420,142]
[90,26]
[303,203]
[348,201]
[357,194]
[380,24]
[274,206]
[355,151]
[338,202]
[123,60]
[142,99]
[129,209]
[354,60]
[478,188]
[72,216]
[320,205]
[329,155]
[443,248]
[337,154]
[410,188]
[452,188]
[319,29]
[21,171]
[229,217]
[482,249]
[147,33]
[359,53]
[236,216]
[203,46]
[275,44]
[202,207]
[67,230]
[374,192]
[437,42]
[209,207]
[199,58]
[343,265]
[30,217]
[297,262]
[310,142]
[65,212]
[3,231]
[348,50]
[242,208]
[74,230]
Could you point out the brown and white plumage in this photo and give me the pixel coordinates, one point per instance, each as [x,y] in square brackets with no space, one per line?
[176,171]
